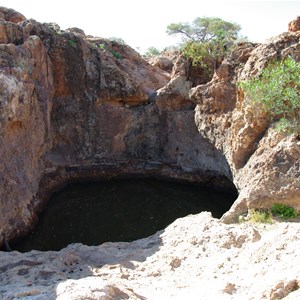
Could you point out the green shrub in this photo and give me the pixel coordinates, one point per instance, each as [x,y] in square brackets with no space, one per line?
[284,211]
[116,54]
[206,41]
[260,216]
[101,46]
[152,51]
[72,43]
[106,48]
[200,53]
[277,90]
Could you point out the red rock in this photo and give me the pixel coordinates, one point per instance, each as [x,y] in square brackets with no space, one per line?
[11,15]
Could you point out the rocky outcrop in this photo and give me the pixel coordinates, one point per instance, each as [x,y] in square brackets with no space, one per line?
[165,61]
[264,163]
[26,101]
[196,257]
[294,25]
[77,106]
[73,106]
[10,15]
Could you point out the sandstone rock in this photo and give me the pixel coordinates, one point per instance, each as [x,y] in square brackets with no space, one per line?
[12,33]
[43,71]
[194,74]
[244,133]
[26,99]
[75,107]
[76,30]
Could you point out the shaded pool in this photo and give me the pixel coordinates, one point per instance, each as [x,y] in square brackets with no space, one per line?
[118,210]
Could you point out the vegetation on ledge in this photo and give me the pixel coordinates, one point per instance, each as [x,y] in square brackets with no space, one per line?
[277,91]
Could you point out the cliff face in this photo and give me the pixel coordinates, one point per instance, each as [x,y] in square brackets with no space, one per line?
[264,163]
[74,106]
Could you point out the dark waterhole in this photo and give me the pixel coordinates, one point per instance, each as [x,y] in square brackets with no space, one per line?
[119,210]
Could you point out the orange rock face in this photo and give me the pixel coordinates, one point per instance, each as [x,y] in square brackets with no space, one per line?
[62,98]
[73,105]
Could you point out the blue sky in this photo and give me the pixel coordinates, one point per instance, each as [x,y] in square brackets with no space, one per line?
[142,24]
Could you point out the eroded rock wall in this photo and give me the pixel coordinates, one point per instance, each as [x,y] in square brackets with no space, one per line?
[74,103]
[26,89]
[264,163]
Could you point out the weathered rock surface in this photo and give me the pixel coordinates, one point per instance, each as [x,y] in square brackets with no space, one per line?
[10,15]
[294,25]
[74,106]
[196,257]
[264,163]
[164,61]
[71,102]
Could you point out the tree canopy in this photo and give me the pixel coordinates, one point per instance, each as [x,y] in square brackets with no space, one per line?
[205,29]
[152,51]
[206,40]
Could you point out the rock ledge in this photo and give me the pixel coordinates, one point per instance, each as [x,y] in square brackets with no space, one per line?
[196,257]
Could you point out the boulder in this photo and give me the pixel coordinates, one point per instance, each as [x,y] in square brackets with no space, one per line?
[10,15]
[164,63]
[294,25]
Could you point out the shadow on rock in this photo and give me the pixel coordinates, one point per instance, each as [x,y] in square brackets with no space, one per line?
[47,275]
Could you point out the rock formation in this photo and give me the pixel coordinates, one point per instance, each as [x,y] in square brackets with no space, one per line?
[294,25]
[76,107]
[264,163]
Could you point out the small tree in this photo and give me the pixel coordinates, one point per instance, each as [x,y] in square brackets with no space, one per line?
[206,40]
[152,51]
[277,90]
[205,29]
[118,40]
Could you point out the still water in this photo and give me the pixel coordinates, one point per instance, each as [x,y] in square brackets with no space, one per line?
[118,210]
